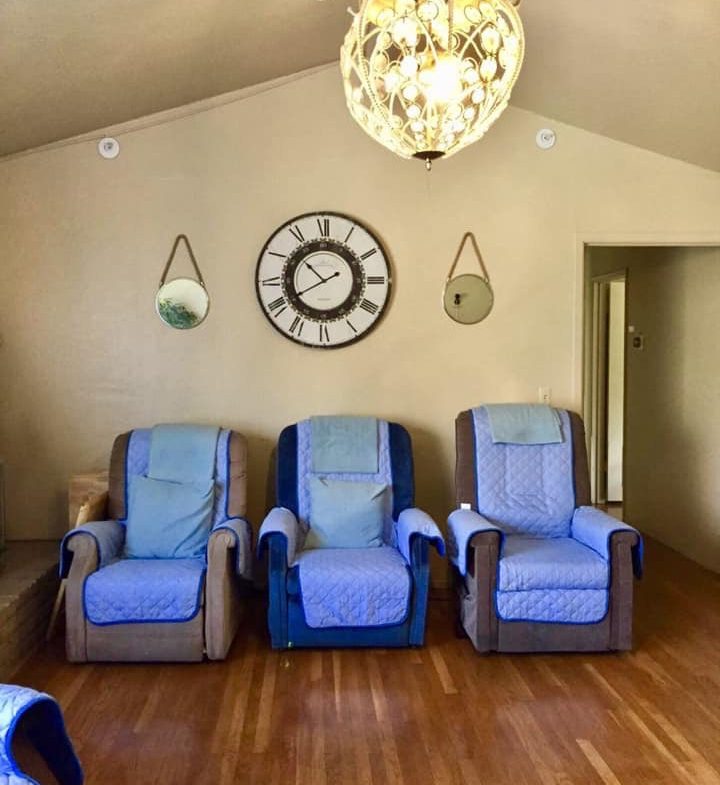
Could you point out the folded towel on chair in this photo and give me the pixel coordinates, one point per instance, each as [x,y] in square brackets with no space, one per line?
[183,453]
[344,444]
[522,423]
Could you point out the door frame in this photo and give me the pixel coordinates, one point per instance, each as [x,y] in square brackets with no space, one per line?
[581,384]
[598,375]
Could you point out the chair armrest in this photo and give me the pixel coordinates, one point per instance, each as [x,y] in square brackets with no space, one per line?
[595,529]
[413,523]
[463,525]
[235,533]
[280,524]
[106,540]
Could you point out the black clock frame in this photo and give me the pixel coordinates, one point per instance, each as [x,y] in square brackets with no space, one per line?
[309,313]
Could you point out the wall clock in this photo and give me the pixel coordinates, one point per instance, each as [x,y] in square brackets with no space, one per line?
[323,280]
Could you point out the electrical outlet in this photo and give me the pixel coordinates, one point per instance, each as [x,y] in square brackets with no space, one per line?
[545,395]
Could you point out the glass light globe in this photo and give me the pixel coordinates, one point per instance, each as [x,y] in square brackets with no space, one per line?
[426,78]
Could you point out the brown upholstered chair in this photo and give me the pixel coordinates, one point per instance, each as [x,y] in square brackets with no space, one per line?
[537,568]
[164,609]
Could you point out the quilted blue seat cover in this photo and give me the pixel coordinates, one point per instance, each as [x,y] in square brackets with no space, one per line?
[551,580]
[354,587]
[145,590]
[562,563]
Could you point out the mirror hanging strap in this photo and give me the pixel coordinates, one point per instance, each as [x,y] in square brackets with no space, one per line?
[469,236]
[182,238]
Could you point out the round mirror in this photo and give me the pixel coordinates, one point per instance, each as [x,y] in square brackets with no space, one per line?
[468,299]
[182,303]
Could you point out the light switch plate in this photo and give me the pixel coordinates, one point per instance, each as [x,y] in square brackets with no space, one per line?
[545,395]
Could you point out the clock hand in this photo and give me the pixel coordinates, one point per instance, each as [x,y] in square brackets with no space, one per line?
[312,269]
[319,283]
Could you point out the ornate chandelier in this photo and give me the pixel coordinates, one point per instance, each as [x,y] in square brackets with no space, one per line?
[426,78]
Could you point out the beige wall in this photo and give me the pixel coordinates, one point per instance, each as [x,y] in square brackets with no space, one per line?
[83,242]
[672,436]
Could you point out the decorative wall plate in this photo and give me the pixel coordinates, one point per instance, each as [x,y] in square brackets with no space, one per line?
[323,280]
[182,303]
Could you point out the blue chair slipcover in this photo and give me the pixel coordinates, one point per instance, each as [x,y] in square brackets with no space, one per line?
[146,609]
[37,717]
[538,568]
[368,596]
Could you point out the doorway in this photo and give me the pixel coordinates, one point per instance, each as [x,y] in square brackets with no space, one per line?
[607,388]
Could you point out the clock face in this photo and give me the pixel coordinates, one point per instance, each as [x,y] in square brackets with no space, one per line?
[323,280]
[468,299]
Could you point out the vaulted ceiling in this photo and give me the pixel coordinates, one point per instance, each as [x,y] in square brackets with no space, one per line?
[641,71]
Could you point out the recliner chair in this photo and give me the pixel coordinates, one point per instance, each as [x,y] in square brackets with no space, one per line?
[374,595]
[158,609]
[537,568]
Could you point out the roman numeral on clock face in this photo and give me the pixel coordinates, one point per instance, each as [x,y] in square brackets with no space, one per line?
[324,334]
[276,307]
[369,306]
[376,279]
[297,325]
[296,232]
[368,254]
[275,281]
[350,325]
[324,227]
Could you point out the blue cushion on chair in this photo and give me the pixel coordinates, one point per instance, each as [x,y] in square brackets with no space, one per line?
[131,591]
[550,563]
[345,514]
[168,520]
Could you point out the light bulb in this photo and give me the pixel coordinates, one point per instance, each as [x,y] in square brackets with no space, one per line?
[442,79]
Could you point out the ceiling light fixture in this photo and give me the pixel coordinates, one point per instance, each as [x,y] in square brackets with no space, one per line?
[426,78]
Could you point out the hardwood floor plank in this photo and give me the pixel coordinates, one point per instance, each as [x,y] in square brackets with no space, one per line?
[596,761]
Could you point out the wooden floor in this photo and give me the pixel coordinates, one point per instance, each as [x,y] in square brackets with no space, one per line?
[442,714]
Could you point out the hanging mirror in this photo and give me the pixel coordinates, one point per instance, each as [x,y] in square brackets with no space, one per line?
[182,303]
[468,298]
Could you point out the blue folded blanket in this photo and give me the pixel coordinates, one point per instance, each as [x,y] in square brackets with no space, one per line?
[521,423]
[344,444]
[183,453]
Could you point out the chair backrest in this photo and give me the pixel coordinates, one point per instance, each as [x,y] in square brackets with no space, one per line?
[525,489]
[294,468]
[130,456]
